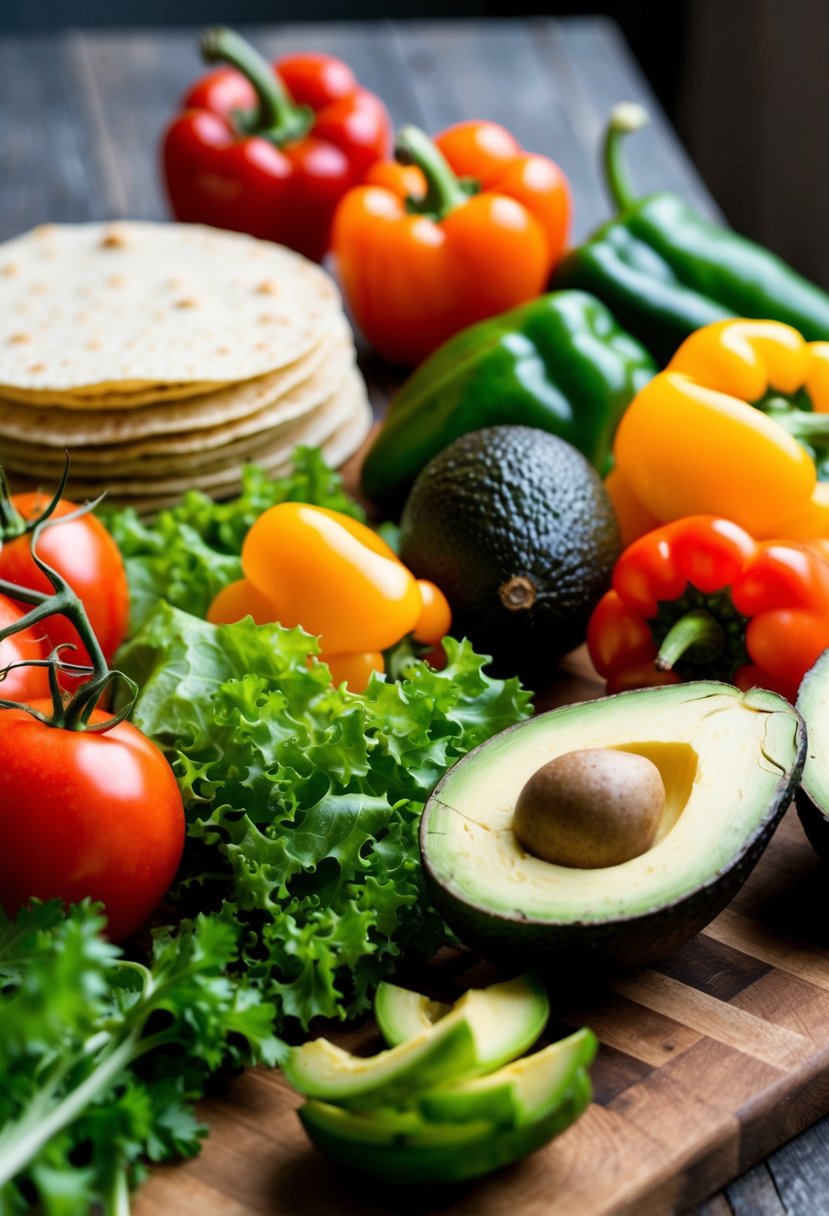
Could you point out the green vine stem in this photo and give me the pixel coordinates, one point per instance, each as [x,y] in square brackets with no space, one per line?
[69,712]
[12,523]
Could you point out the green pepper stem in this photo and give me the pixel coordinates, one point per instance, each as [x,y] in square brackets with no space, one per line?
[277,118]
[444,191]
[800,424]
[624,118]
[696,628]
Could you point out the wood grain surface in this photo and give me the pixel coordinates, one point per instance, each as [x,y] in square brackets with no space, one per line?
[725,1039]
[709,1060]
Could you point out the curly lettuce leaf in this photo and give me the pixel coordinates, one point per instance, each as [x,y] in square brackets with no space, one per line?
[303,800]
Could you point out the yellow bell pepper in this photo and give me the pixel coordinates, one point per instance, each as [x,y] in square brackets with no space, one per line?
[310,566]
[731,427]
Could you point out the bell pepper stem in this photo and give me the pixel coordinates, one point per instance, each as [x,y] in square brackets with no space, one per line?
[624,118]
[696,628]
[801,424]
[444,191]
[277,118]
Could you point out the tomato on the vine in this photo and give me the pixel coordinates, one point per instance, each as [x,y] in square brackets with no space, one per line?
[21,683]
[84,813]
[84,553]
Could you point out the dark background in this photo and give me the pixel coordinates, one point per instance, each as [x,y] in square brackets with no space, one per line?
[746,82]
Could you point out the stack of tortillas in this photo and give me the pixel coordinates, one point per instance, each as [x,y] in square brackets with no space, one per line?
[164,357]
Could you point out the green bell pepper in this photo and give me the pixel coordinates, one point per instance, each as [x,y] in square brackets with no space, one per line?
[665,271]
[560,363]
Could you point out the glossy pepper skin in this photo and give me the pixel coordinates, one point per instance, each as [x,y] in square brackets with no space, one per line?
[271,149]
[665,271]
[737,425]
[559,363]
[701,599]
[333,576]
[466,227]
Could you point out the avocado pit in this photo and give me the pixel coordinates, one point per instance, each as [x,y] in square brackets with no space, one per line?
[591,808]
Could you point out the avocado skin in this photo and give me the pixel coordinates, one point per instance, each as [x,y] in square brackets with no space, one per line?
[811,807]
[815,824]
[583,953]
[587,953]
[507,502]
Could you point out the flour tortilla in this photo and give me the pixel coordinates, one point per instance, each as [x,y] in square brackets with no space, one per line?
[295,404]
[127,308]
[339,448]
[347,410]
[288,391]
[87,464]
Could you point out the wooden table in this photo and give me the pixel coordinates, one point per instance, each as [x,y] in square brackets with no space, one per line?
[80,116]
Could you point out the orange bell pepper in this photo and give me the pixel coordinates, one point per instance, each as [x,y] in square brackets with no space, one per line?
[464,228]
[737,425]
[333,576]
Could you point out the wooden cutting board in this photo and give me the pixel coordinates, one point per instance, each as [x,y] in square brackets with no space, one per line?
[709,1061]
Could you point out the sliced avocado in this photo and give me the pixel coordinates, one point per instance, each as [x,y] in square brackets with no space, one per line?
[730,762]
[812,799]
[519,1093]
[387,1145]
[487,1027]
[402,1014]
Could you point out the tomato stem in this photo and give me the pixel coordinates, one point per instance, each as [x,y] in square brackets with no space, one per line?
[12,523]
[69,712]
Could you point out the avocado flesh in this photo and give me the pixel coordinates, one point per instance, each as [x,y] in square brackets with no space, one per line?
[730,762]
[518,1094]
[380,1145]
[402,1014]
[813,796]
[486,1027]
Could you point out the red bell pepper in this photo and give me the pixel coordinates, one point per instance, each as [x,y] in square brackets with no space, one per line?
[270,149]
[700,599]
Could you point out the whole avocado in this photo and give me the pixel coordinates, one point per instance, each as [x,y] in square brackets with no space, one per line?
[517,530]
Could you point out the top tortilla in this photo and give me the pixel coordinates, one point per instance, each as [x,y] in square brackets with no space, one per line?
[126,308]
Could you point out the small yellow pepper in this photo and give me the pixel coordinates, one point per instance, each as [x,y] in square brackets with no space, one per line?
[335,577]
[730,428]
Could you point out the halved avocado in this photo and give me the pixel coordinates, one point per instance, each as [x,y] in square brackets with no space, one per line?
[730,762]
[402,1147]
[401,1014]
[487,1027]
[519,1093]
[812,799]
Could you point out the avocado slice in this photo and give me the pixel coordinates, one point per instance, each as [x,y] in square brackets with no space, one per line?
[487,1027]
[401,1014]
[518,1094]
[730,762]
[402,1147]
[812,799]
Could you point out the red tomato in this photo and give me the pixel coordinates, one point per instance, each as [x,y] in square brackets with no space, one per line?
[86,814]
[84,553]
[24,683]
